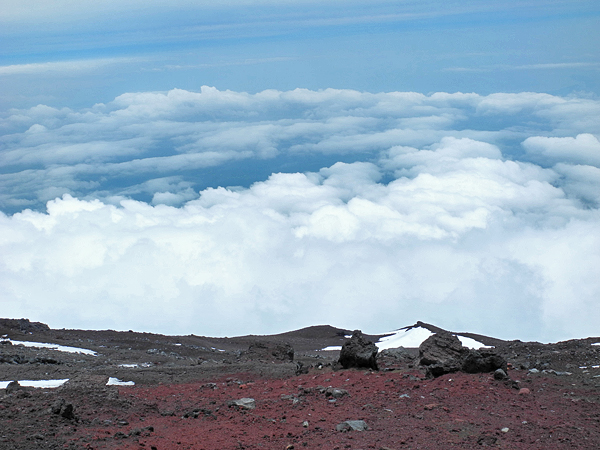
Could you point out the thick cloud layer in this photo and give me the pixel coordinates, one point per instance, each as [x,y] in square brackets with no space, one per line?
[476,213]
[164,147]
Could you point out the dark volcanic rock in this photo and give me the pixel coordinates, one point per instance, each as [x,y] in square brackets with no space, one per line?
[23,325]
[13,386]
[482,361]
[62,408]
[20,359]
[500,374]
[281,351]
[358,352]
[443,353]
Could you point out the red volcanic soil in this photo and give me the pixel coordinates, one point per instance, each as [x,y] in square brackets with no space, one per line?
[401,408]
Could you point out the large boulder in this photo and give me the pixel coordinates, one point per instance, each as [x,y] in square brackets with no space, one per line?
[443,353]
[358,352]
[482,361]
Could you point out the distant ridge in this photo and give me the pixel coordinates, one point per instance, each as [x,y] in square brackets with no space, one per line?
[486,340]
[326,331]
[304,338]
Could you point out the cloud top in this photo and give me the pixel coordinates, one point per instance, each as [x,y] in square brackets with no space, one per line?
[478,213]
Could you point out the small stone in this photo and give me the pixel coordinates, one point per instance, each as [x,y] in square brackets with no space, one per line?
[67,411]
[245,403]
[335,392]
[505,430]
[524,391]
[356,425]
[57,406]
[13,386]
[305,424]
[500,374]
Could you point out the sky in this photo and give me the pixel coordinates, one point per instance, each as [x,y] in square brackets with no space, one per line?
[236,167]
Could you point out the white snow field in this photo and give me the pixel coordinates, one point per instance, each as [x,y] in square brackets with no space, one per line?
[60,348]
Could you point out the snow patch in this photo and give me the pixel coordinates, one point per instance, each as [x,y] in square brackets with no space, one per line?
[46,384]
[331,348]
[472,343]
[134,366]
[404,338]
[116,382]
[60,348]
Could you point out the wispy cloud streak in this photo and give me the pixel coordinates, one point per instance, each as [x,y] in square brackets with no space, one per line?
[65,66]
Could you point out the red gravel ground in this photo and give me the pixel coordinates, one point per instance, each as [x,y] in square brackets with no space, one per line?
[401,409]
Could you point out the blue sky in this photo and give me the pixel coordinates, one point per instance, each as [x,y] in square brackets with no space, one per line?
[254,167]
[78,53]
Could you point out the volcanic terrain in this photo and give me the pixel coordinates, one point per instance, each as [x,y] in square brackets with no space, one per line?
[129,390]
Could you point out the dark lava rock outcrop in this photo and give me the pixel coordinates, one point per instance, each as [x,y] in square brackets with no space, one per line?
[482,361]
[23,325]
[281,351]
[358,352]
[443,353]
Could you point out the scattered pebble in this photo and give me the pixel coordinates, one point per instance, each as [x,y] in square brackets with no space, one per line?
[245,403]
[355,425]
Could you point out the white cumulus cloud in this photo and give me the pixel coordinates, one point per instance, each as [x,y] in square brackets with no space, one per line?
[582,149]
[477,213]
